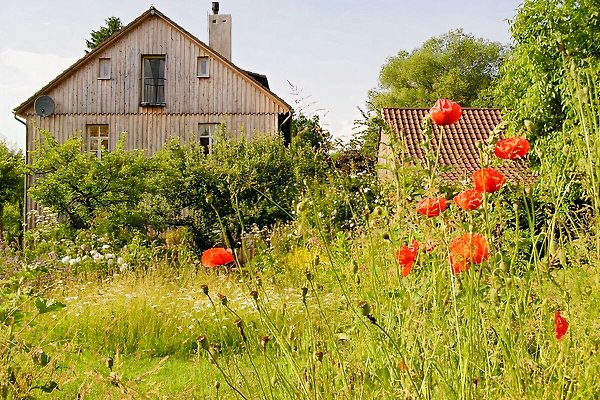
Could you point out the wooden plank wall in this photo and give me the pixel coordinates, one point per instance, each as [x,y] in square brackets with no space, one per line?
[150,131]
[224,91]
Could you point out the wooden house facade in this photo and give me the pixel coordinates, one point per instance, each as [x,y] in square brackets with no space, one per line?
[156,81]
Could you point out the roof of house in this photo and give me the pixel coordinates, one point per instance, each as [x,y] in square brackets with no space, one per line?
[257,79]
[458,150]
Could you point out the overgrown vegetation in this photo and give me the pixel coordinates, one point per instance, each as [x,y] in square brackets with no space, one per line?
[320,303]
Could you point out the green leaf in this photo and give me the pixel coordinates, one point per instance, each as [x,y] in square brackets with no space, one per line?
[48,305]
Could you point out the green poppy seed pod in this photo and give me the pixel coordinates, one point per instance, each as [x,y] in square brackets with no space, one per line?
[378,211]
[529,125]
[354,267]
[386,236]
[316,260]
[562,257]
[254,294]
[301,207]
[319,356]
[304,293]
[504,266]
[222,299]
[566,150]
[552,247]
[364,308]
[202,342]
[308,275]
[204,289]
[217,385]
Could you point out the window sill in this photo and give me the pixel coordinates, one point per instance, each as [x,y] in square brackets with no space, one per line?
[202,76]
[153,104]
[104,79]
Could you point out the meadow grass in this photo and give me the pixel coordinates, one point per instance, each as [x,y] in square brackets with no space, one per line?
[168,339]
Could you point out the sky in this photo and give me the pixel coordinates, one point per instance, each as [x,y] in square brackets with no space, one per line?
[322,57]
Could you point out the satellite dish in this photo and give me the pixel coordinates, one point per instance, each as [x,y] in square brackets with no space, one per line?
[44,106]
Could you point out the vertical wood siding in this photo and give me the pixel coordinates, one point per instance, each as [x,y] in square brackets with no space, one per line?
[226,91]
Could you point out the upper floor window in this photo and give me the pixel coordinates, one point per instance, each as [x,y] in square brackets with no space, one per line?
[98,139]
[202,67]
[153,80]
[206,135]
[104,68]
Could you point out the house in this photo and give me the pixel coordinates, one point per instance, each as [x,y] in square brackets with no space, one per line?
[155,80]
[458,151]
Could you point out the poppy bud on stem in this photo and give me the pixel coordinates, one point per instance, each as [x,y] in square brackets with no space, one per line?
[263,341]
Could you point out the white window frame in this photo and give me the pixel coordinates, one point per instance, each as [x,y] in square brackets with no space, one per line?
[104,68]
[203,60]
[94,134]
[207,131]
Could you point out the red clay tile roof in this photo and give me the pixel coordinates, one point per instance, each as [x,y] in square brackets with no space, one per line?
[459,150]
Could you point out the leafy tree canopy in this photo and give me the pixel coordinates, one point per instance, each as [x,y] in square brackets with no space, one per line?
[113,25]
[552,40]
[11,179]
[455,65]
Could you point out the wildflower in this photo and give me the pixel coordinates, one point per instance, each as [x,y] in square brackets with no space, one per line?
[488,180]
[445,112]
[406,256]
[470,248]
[511,148]
[66,260]
[469,199]
[216,256]
[560,325]
[432,206]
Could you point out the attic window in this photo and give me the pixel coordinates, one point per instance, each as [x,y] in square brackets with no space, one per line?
[202,67]
[104,68]
[153,80]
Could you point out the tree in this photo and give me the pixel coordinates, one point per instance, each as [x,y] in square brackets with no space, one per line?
[82,187]
[113,25]
[550,40]
[11,180]
[455,65]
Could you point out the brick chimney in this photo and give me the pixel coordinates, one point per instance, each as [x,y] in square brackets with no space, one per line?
[219,31]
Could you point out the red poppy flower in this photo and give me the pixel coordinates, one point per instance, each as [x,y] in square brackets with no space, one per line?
[216,256]
[512,148]
[469,199]
[488,180]
[560,325]
[445,112]
[466,250]
[406,256]
[432,206]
